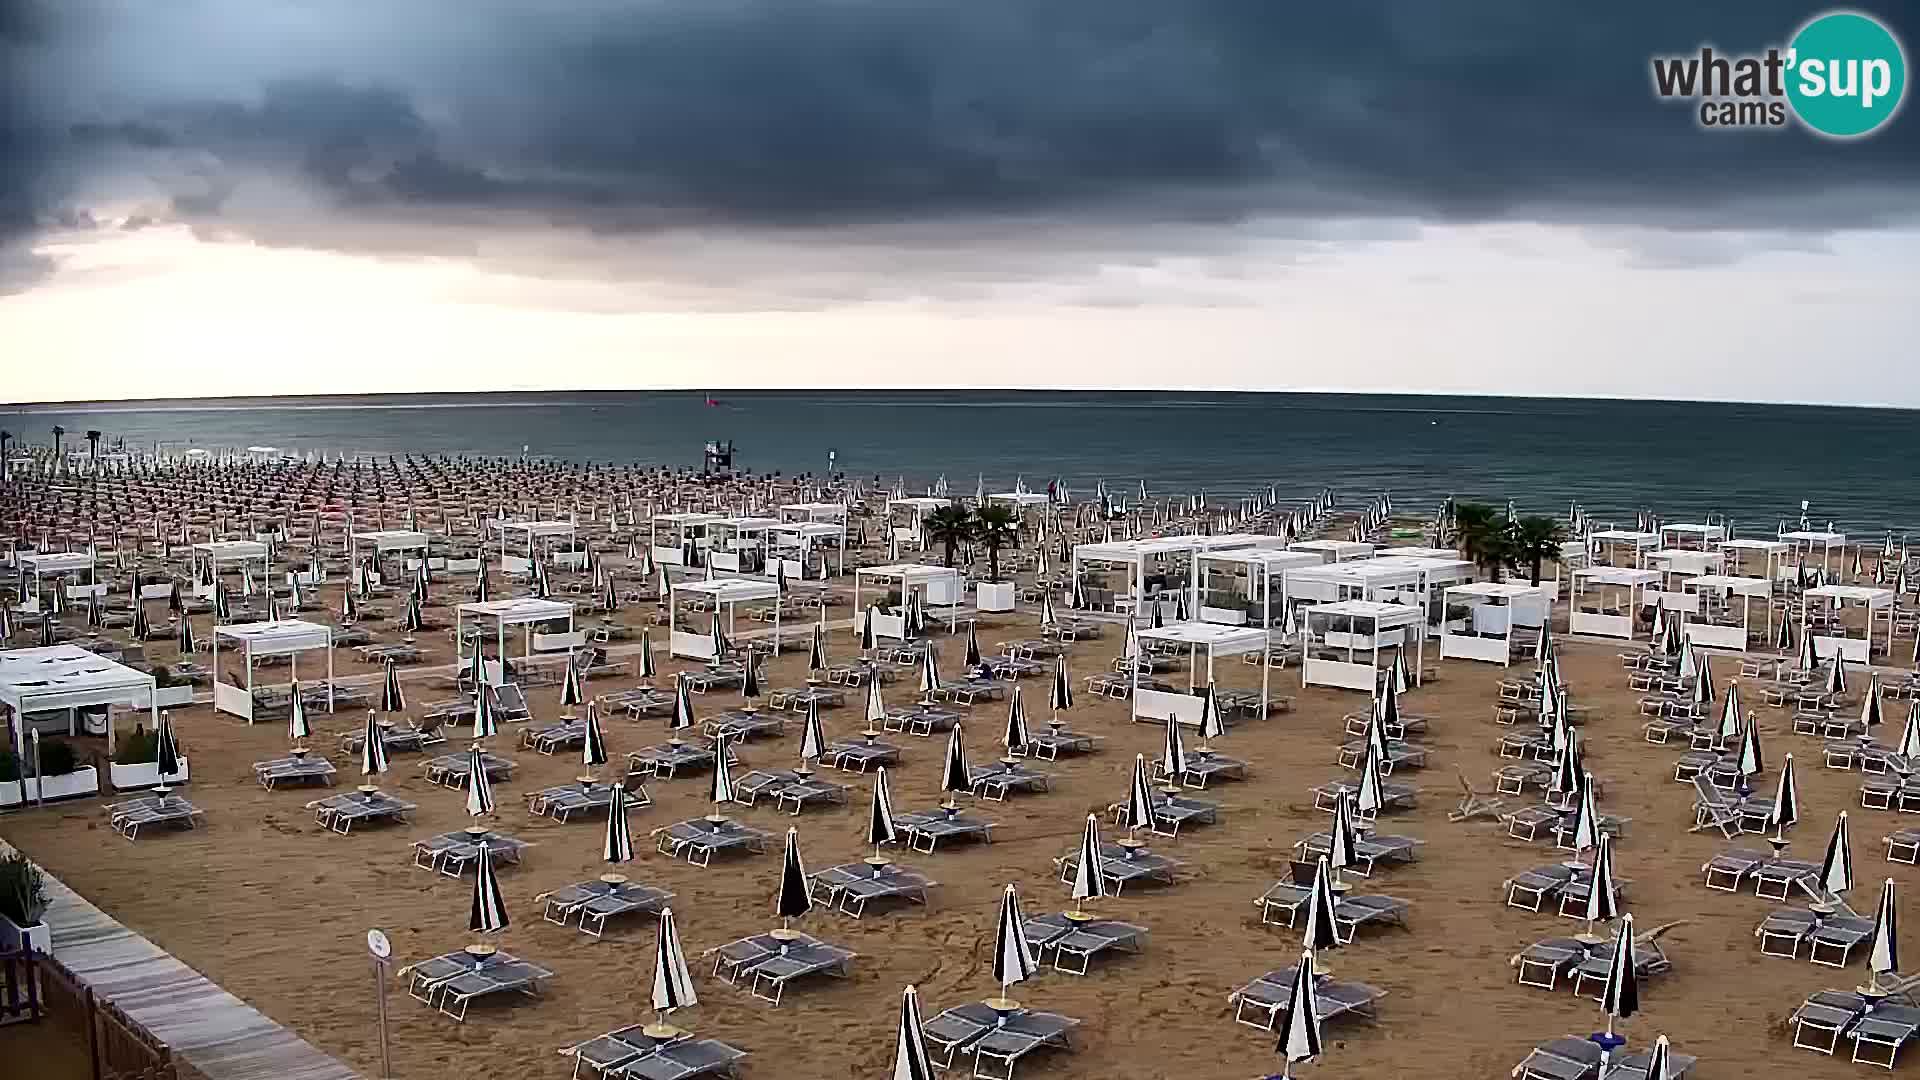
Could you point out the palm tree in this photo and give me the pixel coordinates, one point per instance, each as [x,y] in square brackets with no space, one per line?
[1482,535]
[995,526]
[949,526]
[93,446]
[1533,541]
[58,434]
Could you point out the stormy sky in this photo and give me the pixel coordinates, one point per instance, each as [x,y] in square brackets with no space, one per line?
[686,191]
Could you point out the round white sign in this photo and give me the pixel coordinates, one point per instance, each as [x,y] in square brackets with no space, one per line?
[378,945]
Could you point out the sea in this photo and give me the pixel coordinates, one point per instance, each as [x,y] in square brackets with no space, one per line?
[1752,463]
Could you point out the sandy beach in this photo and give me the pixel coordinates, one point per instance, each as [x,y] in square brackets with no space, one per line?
[275,908]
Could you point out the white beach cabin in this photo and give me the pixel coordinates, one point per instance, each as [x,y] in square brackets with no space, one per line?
[383,542]
[1878,604]
[1169,562]
[523,611]
[1771,555]
[1607,600]
[905,515]
[1335,551]
[1809,541]
[1720,626]
[536,539]
[1352,633]
[1691,536]
[670,534]
[1608,545]
[736,543]
[1248,586]
[1218,641]
[287,637]
[38,685]
[727,593]
[1495,613]
[235,553]
[1678,566]
[34,568]
[938,587]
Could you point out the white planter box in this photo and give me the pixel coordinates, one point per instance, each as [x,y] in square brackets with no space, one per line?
[994,596]
[145,775]
[171,697]
[13,935]
[76,784]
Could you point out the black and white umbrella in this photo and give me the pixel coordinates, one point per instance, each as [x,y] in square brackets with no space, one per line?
[1751,759]
[672,982]
[349,607]
[140,626]
[1603,895]
[1343,842]
[750,681]
[869,632]
[1871,713]
[1586,818]
[1300,1019]
[166,756]
[722,791]
[593,744]
[391,700]
[477,666]
[479,787]
[973,646]
[794,899]
[485,722]
[1015,737]
[489,911]
[876,708]
[1620,998]
[1047,617]
[184,638]
[1786,799]
[910,1060]
[955,778]
[720,646]
[813,742]
[817,653]
[682,718]
[373,747]
[1061,697]
[929,673]
[618,845]
[1883,957]
[1319,931]
[1566,767]
[1783,640]
[1371,797]
[1660,1060]
[880,827]
[647,668]
[1808,659]
[1836,683]
[1212,724]
[1730,724]
[1909,749]
[1173,753]
[1090,870]
[1013,959]
[298,730]
[570,693]
[46,629]
[1836,867]
[1138,813]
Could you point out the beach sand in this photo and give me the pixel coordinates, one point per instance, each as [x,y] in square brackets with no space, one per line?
[275,909]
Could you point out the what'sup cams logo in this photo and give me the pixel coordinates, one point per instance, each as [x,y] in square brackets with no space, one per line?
[1843,75]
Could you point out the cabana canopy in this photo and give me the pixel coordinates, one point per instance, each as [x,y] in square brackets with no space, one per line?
[1137,554]
[1368,625]
[1495,610]
[285,637]
[68,677]
[1263,567]
[1218,640]
[1614,620]
[726,592]
[1334,551]
[51,564]
[1635,542]
[1721,632]
[679,528]
[940,586]
[385,540]
[1879,604]
[513,611]
[814,511]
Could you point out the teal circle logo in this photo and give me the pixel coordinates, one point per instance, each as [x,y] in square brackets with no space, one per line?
[1847,75]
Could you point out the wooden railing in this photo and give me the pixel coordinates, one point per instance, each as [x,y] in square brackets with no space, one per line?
[118,1047]
[20,997]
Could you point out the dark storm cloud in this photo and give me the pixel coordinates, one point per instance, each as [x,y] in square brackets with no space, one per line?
[623,113]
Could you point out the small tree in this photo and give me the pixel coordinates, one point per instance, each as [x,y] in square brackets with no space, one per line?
[1483,536]
[995,527]
[93,445]
[58,434]
[949,526]
[1533,541]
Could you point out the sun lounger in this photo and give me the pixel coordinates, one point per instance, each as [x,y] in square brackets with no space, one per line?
[591,903]
[554,738]
[669,760]
[516,978]
[1400,755]
[454,853]
[1371,850]
[1903,846]
[699,840]
[1833,939]
[1531,890]
[638,702]
[1880,1033]
[1563,1058]
[631,1054]
[1021,1033]
[926,830]
[1544,963]
[1781,932]
[1124,866]
[450,770]
[1170,812]
[1202,768]
[740,725]
[306,769]
[1260,1003]
[1824,1017]
[997,781]
[1649,960]
[1726,871]
[1632,1065]
[859,754]
[342,812]
[922,720]
[566,801]
[767,965]
[1049,743]
[954,1031]
[852,887]
[1073,944]
[1777,879]
[157,811]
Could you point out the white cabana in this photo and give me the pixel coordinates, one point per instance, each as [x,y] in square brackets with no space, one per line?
[53,565]
[1718,626]
[1019,500]
[68,678]
[725,593]
[1606,600]
[1877,603]
[382,542]
[1219,641]
[536,539]
[1771,554]
[912,509]
[1247,586]
[1159,558]
[794,542]
[1388,582]
[233,553]
[1687,535]
[1495,613]
[516,611]
[1809,541]
[1416,552]
[287,637]
[737,543]
[813,511]
[1610,541]
[1436,573]
[938,586]
[669,534]
[1677,566]
[1335,551]
[1359,629]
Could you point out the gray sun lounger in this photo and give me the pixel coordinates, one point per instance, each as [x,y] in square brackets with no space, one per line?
[1903,846]
[741,725]
[1122,868]
[1726,871]
[765,965]
[130,817]
[1393,796]
[554,738]
[1633,1065]
[926,830]
[566,801]
[1260,1003]
[859,754]
[1832,941]
[668,760]
[1882,1031]
[1544,963]
[1782,932]
[1649,960]
[517,978]
[1563,1058]
[1532,890]
[342,812]
[293,771]
[698,840]
[1170,812]
[1400,755]
[1824,1018]
[1371,850]
[850,888]
[954,1031]
[591,903]
[630,1052]
[997,781]
[996,1053]
[454,853]
[1073,944]
[450,770]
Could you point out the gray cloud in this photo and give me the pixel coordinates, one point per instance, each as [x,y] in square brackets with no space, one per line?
[620,115]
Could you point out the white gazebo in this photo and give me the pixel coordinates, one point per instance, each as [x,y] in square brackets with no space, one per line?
[1772,555]
[1718,627]
[669,534]
[523,611]
[725,593]
[233,553]
[916,507]
[535,538]
[1687,535]
[939,586]
[1878,604]
[1335,551]
[1159,555]
[1218,641]
[1677,566]
[1604,543]
[1255,590]
[1807,541]
[1608,616]
[793,543]
[385,541]
[287,637]
[52,564]
[67,678]
[1496,611]
[1358,627]
[732,543]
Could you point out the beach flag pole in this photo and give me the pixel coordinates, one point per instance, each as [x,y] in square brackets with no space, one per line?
[382,951]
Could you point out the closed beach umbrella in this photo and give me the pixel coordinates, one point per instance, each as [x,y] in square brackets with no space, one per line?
[1343,841]
[793,900]
[1730,726]
[1047,617]
[1138,813]
[1837,675]
[869,639]
[618,845]
[1566,768]
[750,682]
[973,646]
[720,647]
[298,730]
[1660,1060]
[570,694]
[817,653]
[1300,1020]
[593,746]
[349,607]
[1909,749]
[1015,738]
[1703,694]
[1586,818]
[1836,867]
[647,669]
[46,629]
[880,826]
[391,700]
[672,982]
[1211,724]
[1883,958]
[1061,698]
[140,627]
[184,639]
[1319,931]
[929,673]
[1603,896]
[1013,959]
[489,911]
[166,756]
[1173,753]
[813,742]
[477,666]
[910,1060]
[1808,659]
[1783,638]
[479,787]
[876,708]
[373,748]
[1090,869]
[722,791]
[1751,760]
[1620,998]
[1786,799]
[682,718]
[485,722]
[1871,714]
[955,778]
[1371,797]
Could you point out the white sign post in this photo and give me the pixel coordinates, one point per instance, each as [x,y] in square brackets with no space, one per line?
[382,951]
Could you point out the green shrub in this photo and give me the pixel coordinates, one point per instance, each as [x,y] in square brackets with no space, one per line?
[23,893]
[57,758]
[9,766]
[139,747]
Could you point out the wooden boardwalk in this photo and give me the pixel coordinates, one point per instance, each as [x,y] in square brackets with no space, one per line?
[210,1029]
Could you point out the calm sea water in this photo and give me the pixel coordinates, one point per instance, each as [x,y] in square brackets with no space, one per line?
[1754,463]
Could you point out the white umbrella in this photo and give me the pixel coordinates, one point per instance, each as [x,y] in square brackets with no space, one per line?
[910,1060]
[672,982]
[488,914]
[1300,1020]
[1013,959]
[618,845]
[1090,870]
[479,786]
